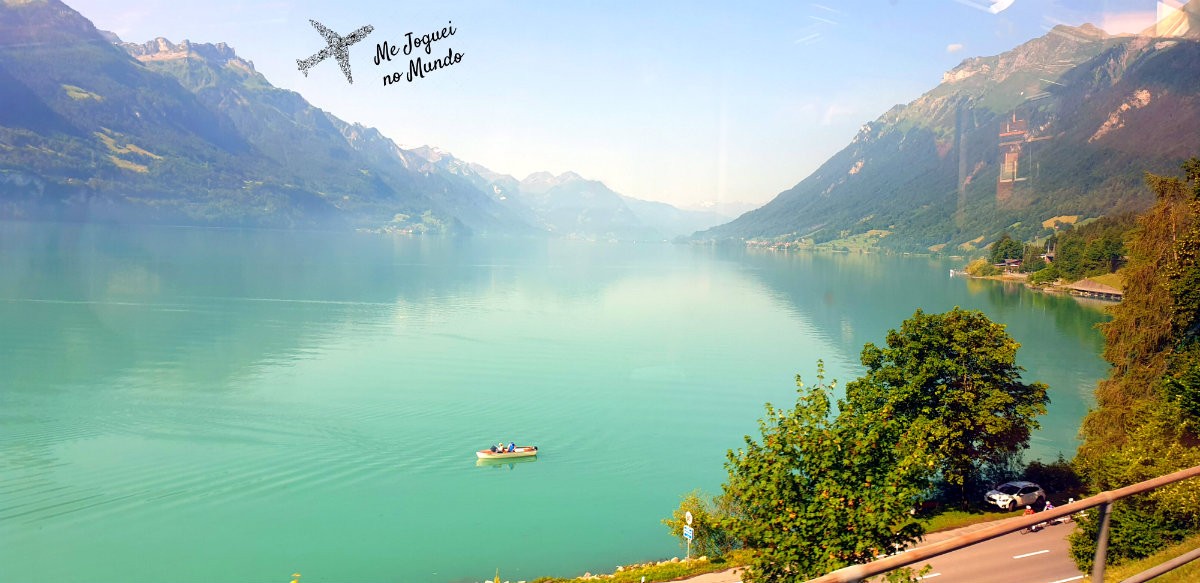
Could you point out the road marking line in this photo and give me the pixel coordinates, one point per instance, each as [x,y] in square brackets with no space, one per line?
[930,576]
[1030,554]
[1075,578]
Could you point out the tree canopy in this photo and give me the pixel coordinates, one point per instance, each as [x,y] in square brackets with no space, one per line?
[820,493]
[1006,248]
[954,374]
[1147,417]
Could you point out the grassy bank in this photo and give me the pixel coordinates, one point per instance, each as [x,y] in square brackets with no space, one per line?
[1189,573]
[661,571]
[952,519]
[671,571]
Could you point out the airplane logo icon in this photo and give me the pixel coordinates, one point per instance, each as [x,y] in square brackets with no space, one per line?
[338,46]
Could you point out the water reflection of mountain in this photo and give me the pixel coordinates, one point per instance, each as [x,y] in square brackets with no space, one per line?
[853,299]
[207,305]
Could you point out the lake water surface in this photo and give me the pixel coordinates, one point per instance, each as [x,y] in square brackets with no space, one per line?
[224,406]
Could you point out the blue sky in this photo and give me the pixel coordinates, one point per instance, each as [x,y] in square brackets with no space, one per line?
[676,101]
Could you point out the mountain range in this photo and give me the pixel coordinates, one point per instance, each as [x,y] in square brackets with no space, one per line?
[97,129]
[1055,131]
[1058,130]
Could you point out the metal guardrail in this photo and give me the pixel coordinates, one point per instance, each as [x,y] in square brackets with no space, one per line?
[857,573]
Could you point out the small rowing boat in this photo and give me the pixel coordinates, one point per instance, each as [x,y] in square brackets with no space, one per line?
[519,451]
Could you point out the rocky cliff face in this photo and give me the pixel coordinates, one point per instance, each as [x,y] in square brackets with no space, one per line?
[161,49]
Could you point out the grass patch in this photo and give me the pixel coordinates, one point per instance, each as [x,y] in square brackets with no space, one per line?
[971,245]
[127,165]
[112,146]
[952,519]
[1109,279]
[1188,573]
[1054,222]
[664,571]
[79,93]
[867,241]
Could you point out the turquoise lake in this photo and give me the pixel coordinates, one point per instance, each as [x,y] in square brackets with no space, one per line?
[198,405]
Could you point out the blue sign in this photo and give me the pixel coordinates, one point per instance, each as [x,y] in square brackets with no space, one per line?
[688,533]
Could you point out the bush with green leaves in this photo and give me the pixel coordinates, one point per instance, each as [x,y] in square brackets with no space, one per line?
[712,524]
[981,268]
[819,492]
[1044,276]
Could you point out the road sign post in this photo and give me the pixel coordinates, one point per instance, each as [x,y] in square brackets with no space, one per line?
[688,533]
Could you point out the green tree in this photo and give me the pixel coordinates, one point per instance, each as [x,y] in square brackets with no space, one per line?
[1069,259]
[954,374]
[1006,248]
[820,493]
[1103,255]
[981,268]
[1042,276]
[1145,421]
[712,523]
[1141,338]
[1031,259]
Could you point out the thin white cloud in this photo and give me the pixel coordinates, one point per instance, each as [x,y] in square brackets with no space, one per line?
[992,6]
[954,47]
[833,112]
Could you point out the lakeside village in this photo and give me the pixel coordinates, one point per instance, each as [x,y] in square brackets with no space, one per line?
[1089,264]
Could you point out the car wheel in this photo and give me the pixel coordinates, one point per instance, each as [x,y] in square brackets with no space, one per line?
[1040,502]
[1012,505]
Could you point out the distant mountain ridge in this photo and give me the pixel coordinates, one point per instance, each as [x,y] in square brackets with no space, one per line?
[1063,125]
[572,206]
[191,133]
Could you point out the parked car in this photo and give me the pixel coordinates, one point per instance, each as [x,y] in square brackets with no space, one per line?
[1012,495]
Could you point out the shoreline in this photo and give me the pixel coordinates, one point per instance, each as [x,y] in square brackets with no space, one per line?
[1053,288]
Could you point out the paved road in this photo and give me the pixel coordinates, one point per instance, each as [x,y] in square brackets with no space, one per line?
[1037,557]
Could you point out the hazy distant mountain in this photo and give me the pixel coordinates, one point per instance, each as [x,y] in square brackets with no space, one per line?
[731,209]
[570,205]
[1083,114]
[502,189]
[191,133]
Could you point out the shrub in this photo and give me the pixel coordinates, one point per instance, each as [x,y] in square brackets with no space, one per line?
[982,268]
[1044,276]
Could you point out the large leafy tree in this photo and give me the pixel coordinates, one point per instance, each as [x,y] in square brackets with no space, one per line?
[1147,419]
[955,377]
[818,493]
[1006,248]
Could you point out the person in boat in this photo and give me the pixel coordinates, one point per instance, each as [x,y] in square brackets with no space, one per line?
[512,446]
[493,449]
